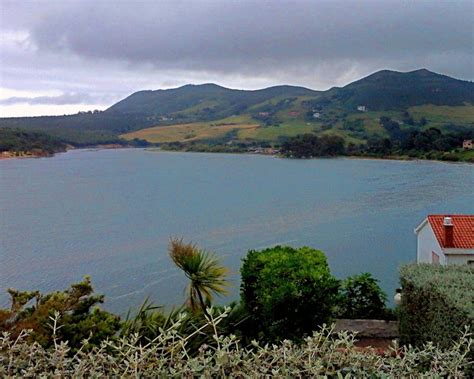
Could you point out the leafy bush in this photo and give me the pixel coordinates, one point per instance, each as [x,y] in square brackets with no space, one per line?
[324,354]
[437,303]
[78,315]
[150,321]
[362,298]
[288,292]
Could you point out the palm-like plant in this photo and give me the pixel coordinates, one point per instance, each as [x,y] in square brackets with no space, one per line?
[206,275]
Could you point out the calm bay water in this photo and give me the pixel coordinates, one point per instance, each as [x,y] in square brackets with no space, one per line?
[110,214]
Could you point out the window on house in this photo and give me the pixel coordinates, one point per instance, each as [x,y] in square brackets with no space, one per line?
[434,258]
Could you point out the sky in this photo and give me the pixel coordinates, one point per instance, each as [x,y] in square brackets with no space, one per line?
[65,56]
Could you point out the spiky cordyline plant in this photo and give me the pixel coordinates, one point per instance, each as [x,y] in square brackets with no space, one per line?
[206,275]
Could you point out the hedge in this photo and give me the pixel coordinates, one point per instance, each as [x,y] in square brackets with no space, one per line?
[437,303]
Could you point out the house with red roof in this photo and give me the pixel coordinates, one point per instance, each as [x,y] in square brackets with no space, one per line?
[446,239]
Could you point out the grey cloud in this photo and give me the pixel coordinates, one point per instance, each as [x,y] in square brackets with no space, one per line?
[66,98]
[254,37]
[111,48]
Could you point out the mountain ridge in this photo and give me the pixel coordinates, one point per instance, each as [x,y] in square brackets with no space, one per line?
[291,107]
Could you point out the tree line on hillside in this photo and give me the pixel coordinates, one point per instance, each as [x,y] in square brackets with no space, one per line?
[431,144]
[310,145]
[414,142]
[36,142]
[15,140]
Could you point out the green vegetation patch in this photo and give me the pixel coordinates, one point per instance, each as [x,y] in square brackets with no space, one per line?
[437,303]
[187,132]
[17,140]
[440,116]
[274,133]
[287,292]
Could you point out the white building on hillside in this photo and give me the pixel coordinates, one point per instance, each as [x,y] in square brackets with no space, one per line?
[446,239]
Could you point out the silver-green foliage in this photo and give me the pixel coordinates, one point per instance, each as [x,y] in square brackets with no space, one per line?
[437,303]
[324,354]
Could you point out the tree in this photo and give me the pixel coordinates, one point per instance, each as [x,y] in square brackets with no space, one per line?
[79,318]
[206,275]
[379,145]
[361,297]
[288,292]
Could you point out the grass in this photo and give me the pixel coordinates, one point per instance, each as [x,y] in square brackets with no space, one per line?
[186,132]
[347,137]
[272,133]
[202,105]
[439,116]
[237,119]
[465,155]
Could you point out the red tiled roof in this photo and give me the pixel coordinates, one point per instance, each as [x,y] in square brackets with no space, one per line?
[463,230]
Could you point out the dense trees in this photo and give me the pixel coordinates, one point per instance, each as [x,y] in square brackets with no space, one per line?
[309,145]
[431,143]
[16,140]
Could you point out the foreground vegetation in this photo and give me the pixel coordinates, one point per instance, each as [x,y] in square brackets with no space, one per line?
[438,301]
[279,328]
[323,354]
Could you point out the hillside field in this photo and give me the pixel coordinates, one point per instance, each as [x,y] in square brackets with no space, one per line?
[353,127]
[187,132]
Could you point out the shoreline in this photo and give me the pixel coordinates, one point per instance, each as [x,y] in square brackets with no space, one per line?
[401,158]
[6,155]
[13,156]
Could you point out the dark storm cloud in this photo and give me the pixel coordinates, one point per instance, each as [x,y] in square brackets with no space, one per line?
[258,36]
[66,98]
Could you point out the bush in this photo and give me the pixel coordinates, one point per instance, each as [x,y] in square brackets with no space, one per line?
[437,303]
[362,298]
[288,292]
[79,316]
[324,354]
[150,321]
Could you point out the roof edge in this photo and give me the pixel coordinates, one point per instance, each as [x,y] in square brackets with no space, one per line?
[422,224]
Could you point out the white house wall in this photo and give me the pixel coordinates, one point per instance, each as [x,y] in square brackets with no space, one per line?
[460,259]
[427,243]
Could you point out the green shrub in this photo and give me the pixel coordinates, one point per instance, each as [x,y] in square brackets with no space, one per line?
[287,292]
[437,303]
[362,298]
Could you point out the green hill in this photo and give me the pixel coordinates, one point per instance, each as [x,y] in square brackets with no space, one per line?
[200,102]
[391,90]
[419,97]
